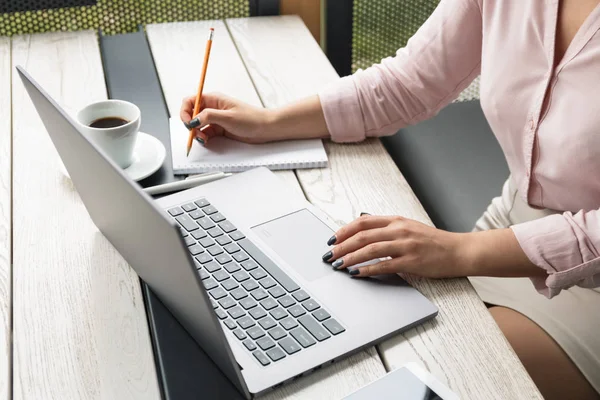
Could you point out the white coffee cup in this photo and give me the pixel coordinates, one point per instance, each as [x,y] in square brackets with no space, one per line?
[116,142]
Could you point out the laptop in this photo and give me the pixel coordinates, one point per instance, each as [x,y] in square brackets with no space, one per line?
[238,263]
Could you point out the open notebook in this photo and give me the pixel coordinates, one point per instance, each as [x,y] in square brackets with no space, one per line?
[228,155]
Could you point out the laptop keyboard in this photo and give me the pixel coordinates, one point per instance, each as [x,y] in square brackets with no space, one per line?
[259,303]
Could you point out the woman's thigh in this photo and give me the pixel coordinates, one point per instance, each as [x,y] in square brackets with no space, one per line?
[556,376]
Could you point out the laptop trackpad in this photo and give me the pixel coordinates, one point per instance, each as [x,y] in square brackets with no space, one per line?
[301,240]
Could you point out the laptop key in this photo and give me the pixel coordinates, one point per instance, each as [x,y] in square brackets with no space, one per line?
[215,250]
[202,203]
[195,250]
[280,276]
[267,323]
[227,302]
[255,332]
[302,337]
[288,323]
[208,210]
[246,322]
[265,343]
[228,227]
[261,357]
[230,284]
[257,274]
[230,324]
[213,303]
[250,266]
[239,293]
[300,296]
[239,334]
[223,240]
[205,223]
[278,313]
[221,313]
[182,231]
[249,344]
[218,217]
[232,248]
[321,315]
[241,276]
[333,326]
[214,232]
[240,256]
[275,354]
[268,304]
[210,284]
[189,207]
[203,258]
[248,303]
[175,211]
[199,234]
[249,285]
[206,242]
[277,292]
[259,294]
[232,267]
[235,235]
[267,283]
[286,301]
[257,313]
[189,240]
[310,305]
[187,223]
[315,329]
[196,214]
[289,345]
[223,259]
[218,293]
[212,266]
[220,275]
[236,312]
[203,274]
[277,333]
[296,310]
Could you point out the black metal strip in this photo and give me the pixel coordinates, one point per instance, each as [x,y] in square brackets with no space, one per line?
[338,35]
[131,75]
[27,5]
[264,7]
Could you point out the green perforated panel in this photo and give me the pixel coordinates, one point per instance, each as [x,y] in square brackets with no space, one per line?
[381,27]
[120,16]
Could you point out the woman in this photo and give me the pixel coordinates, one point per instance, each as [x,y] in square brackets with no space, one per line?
[539,63]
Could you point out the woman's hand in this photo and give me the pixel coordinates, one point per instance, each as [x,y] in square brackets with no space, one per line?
[413,248]
[221,115]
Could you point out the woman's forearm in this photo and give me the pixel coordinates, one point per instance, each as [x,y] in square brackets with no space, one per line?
[303,119]
[496,253]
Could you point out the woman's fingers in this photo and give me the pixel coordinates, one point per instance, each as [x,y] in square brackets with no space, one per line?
[187,108]
[367,253]
[358,241]
[362,223]
[392,266]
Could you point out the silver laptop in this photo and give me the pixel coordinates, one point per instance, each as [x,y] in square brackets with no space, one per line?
[238,263]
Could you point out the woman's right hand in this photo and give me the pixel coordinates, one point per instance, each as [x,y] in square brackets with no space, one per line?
[221,115]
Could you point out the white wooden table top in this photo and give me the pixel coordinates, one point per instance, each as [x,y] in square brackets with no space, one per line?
[79,326]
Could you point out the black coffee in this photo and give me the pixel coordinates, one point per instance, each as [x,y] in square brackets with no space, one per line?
[108,122]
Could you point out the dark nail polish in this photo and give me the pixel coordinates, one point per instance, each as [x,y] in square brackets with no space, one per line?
[193,123]
[364,213]
[331,240]
[354,271]
[200,140]
[327,256]
[338,263]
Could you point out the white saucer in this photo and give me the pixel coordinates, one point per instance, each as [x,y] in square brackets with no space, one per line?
[148,156]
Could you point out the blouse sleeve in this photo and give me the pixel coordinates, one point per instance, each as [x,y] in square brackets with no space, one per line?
[438,62]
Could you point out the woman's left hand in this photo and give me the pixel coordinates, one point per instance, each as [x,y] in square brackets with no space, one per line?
[411,246]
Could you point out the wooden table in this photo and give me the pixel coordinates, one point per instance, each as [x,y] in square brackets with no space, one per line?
[79,327]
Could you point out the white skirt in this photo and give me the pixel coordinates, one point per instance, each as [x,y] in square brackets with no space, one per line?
[572,318]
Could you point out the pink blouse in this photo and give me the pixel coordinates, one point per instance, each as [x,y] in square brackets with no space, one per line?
[552,149]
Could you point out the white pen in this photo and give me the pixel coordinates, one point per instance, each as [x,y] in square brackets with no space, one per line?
[185,184]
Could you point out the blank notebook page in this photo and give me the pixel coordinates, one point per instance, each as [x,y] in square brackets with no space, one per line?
[222,154]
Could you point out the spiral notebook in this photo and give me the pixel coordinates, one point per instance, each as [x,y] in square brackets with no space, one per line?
[223,154]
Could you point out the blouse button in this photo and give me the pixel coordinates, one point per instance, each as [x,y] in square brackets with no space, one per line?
[531,124]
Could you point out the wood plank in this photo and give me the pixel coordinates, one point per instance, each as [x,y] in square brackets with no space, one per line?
[80,328]
[178,70]
[5,219]
[463,347]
